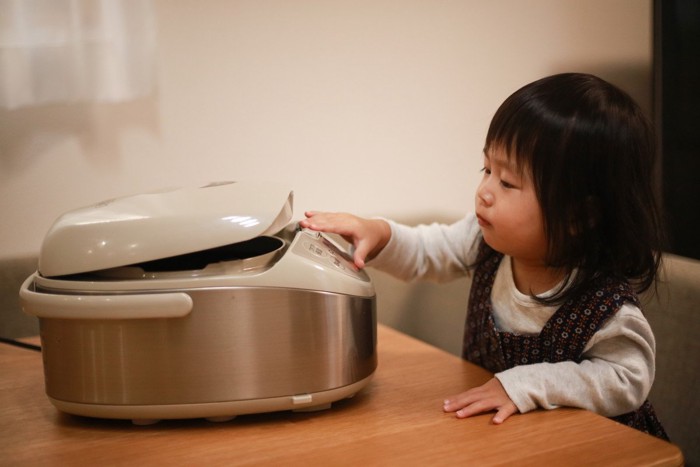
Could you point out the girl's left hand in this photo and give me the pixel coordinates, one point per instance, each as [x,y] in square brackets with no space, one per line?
[490,396]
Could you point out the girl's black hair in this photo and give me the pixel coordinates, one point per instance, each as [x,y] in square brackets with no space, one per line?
[591,153]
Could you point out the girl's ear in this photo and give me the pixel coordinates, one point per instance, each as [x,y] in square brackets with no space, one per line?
[585,217]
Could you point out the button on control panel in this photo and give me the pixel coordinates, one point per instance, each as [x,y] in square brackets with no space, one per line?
[317,247]
[314,249]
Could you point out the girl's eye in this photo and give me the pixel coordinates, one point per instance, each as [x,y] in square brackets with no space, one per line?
[486,170]
[505,184]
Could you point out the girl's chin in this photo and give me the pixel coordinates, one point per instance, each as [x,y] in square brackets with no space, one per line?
[488,240]
[491,242]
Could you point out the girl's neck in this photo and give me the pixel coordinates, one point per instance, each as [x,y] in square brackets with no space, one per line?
[533,278]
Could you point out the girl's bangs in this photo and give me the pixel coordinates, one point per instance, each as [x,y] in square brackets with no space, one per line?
[514,131]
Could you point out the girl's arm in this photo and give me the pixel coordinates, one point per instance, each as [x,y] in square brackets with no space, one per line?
[435,252]
[614,378]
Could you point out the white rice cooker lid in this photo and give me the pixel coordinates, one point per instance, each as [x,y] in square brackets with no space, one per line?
[147,227]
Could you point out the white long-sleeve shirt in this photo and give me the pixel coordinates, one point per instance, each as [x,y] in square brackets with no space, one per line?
[618,367]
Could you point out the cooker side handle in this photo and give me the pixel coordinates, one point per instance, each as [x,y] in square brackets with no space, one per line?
[135,306]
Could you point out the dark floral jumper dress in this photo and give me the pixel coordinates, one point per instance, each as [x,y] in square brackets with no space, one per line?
[562,338]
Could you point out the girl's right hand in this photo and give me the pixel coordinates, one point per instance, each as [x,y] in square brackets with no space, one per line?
[368,236]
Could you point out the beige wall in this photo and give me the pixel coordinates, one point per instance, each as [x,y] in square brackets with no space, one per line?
[378,107]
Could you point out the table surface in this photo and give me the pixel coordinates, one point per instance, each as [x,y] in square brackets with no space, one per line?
[396,420]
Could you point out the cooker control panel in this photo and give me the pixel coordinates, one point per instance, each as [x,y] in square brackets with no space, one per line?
[319,248]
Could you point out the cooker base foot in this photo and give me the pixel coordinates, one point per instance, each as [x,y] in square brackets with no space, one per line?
[222,419]
[145,421]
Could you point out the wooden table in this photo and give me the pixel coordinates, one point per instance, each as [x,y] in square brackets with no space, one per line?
[396,420]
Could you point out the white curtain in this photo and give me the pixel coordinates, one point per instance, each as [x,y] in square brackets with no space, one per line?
[75,51]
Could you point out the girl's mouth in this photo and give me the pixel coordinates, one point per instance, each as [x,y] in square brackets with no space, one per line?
[483,222]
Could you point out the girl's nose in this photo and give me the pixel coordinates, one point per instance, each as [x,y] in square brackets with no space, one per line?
[485,196]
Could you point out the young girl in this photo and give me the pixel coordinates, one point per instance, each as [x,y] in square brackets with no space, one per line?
[564,235]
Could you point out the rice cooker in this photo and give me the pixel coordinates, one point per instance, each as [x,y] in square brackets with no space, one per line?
[200,302]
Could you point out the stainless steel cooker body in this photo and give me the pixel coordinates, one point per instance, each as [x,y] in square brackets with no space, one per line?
[236,344]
